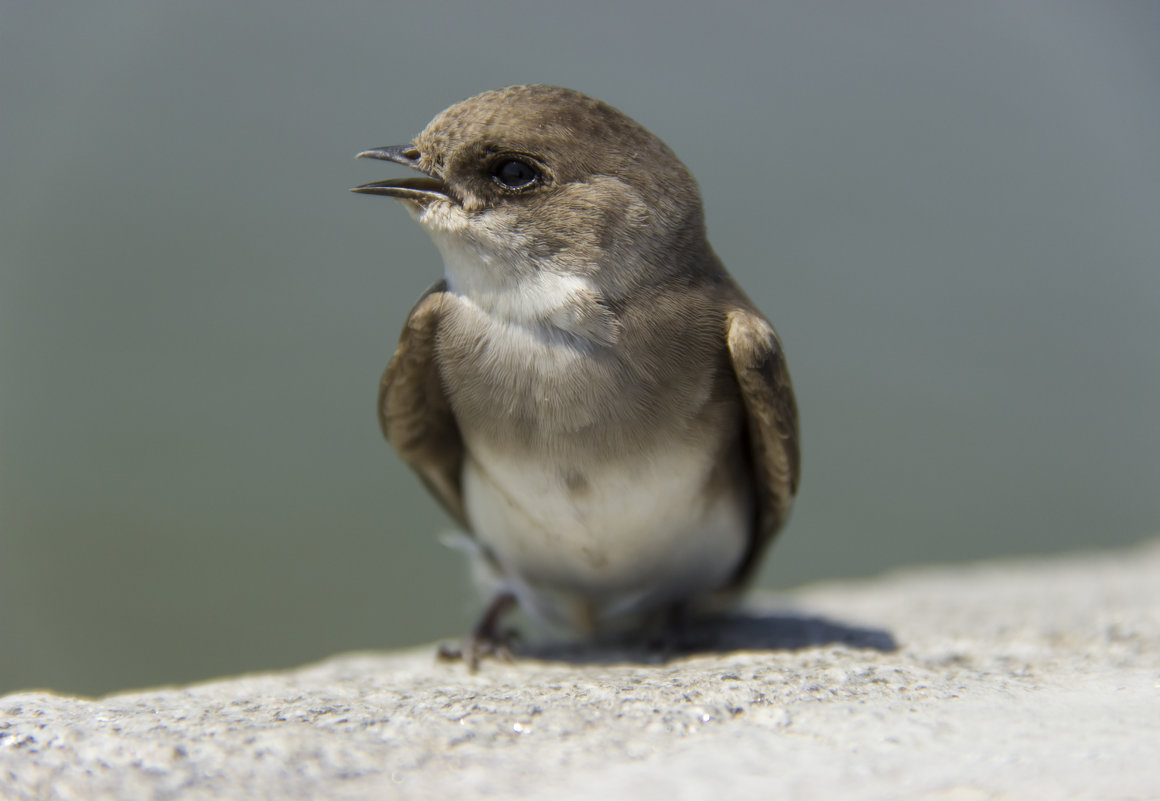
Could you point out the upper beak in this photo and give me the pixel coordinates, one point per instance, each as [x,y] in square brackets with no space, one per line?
[429,188]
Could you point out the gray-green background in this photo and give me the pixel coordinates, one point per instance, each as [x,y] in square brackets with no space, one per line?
[951,211]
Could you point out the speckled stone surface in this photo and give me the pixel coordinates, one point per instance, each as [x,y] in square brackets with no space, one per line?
[1020,680]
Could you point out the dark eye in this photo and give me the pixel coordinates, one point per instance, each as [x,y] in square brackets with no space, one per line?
[515,174]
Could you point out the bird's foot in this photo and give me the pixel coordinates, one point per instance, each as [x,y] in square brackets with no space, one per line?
[474,649]
[486,639]
[679,633]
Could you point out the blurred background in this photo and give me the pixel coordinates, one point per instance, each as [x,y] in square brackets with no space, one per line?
[950,211]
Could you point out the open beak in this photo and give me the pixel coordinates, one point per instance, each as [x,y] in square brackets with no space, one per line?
[421,189]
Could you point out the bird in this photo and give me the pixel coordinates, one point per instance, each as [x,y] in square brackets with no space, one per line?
[587,391]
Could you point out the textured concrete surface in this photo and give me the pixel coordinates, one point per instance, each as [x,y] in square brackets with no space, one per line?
[1027,680]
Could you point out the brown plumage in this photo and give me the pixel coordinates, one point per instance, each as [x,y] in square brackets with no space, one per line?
[587,392]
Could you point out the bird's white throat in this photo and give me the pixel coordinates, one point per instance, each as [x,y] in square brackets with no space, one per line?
[511,286]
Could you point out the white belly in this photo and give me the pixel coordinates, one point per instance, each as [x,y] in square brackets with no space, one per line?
[581,548]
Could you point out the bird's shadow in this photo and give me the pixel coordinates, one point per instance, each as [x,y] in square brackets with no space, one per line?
[731,632]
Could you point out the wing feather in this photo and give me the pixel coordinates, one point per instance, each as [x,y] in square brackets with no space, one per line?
[414,411]
[771,425]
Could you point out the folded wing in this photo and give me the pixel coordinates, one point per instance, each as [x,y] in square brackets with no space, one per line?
[771,425]
[414,412]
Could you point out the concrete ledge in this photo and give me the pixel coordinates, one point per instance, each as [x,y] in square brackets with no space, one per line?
[1027,679]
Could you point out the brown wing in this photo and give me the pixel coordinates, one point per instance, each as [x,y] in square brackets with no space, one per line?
[414,412]
[771,425]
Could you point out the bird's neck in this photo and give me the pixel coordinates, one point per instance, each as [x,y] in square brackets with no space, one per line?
[512,287]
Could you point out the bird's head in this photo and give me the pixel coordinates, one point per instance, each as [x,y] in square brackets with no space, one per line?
[540,177]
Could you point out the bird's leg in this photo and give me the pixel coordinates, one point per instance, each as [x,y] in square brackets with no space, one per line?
[486,639]
[677,632]
[669,629]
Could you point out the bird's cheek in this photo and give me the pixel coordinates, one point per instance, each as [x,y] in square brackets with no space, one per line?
[474,202]
[443,218]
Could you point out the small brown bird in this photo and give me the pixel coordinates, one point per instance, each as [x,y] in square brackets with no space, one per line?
[587,391]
